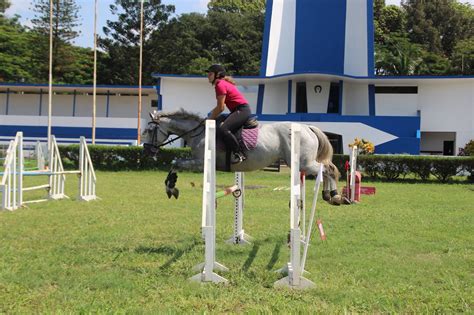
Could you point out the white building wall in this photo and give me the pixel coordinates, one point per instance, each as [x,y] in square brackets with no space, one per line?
[317,102]
[250,93]
[448,107]
[275,99]
[355,99]
[123,106]
[62,105]
[355,56]
[281,45]
[23,104]
[198,96]
[195,96]
[396,104]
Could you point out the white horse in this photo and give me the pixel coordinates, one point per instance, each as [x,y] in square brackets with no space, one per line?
[273,144]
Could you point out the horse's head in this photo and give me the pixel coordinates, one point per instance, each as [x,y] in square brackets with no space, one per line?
[154,135]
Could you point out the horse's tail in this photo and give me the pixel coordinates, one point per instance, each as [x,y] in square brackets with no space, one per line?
[325,150]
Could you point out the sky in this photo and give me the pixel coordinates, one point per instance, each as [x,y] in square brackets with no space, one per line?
[24,9]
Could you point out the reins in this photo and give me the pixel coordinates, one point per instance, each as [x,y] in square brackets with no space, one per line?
[176,138]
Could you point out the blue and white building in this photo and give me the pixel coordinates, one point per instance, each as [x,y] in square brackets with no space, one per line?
[317,67]
[24,107]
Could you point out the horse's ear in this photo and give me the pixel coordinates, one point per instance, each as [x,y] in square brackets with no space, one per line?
[154,115]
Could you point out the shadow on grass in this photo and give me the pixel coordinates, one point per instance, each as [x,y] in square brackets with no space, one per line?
[251,258]
[168,251]
[178,253]
[275,255]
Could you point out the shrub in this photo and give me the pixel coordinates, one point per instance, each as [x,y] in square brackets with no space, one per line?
[444,168]
[119,158]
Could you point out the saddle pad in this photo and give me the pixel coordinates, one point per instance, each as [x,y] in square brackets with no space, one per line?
[249,138]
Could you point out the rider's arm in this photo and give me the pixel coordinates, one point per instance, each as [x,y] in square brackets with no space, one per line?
[219,107]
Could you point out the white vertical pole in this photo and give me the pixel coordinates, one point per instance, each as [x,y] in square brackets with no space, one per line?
[50,80]
[140,76]
[353,166]
[94,90]
[294,278]
[20,168]
[209,211]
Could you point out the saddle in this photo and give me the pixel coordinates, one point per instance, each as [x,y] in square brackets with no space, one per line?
[247,134]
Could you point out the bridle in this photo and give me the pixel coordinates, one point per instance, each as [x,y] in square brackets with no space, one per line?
[167,134]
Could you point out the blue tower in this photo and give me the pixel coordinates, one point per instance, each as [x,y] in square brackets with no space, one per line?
[319,36]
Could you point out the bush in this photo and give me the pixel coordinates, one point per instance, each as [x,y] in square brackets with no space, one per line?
[121,158]
[468,149]
[445,168]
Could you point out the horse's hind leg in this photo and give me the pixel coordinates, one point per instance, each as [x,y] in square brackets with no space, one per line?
[330,193]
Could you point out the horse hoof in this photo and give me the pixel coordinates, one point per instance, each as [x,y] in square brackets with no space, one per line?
[346,201]
[336,200]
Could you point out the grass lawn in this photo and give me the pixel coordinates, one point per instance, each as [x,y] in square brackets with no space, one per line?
[407,249]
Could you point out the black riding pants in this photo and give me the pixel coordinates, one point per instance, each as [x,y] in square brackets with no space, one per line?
[231,124]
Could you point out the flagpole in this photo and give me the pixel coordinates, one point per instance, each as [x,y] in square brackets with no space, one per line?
[94,89]
[140,76]
[50,78]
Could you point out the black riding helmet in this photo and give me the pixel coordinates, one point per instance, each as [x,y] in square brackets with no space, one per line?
[219,71]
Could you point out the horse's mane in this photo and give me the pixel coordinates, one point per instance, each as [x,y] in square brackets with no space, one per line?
[182,114]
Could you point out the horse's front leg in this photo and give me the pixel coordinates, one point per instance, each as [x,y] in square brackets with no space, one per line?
[172,178]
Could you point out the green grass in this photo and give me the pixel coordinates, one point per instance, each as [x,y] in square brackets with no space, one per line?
[407,249]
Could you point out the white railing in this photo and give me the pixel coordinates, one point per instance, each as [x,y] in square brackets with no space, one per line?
[12,181]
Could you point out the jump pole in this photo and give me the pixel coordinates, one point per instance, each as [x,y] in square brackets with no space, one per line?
[208,224]
[239,237]
[353,166]
[295,267]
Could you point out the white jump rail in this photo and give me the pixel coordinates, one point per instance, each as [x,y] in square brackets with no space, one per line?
[208,224]
[295,267]
[12,175]
[12,180]
[353,166]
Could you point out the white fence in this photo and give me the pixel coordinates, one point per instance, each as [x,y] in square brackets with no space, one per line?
[12,180]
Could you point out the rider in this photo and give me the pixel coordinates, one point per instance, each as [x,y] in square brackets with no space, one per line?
[228,95]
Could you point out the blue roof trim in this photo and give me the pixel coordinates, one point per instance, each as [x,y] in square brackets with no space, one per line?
[77,85]
[158,75]
[266,37]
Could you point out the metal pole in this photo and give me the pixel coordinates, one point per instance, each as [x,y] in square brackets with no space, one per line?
[140,76]
[94,89]
[50,83]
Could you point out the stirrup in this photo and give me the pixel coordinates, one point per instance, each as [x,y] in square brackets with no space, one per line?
[237,158]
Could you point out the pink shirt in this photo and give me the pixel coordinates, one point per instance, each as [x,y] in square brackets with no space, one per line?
[233,98]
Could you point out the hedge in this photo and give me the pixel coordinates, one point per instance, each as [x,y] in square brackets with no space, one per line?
[121,158]
[388,167]
[391,167]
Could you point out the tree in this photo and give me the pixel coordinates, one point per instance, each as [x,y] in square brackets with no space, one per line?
[398,57]
[439,24]
[15,52]
[4,5]
[65,23]
[237,6]
[463,57]
[183,45]
[239,34]
[389,19]
[121,46]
